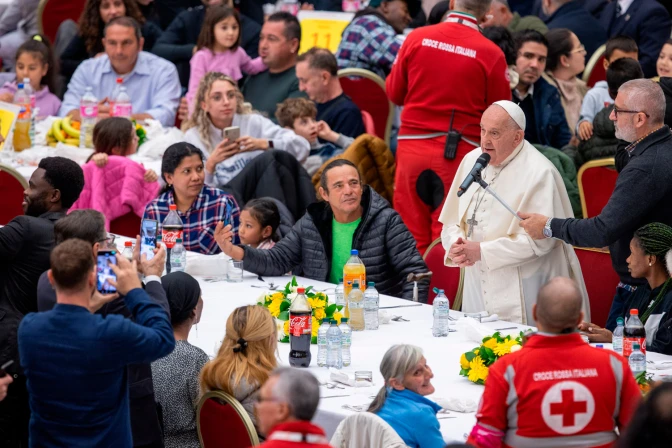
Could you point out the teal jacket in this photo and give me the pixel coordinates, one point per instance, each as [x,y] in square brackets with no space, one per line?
[413,417]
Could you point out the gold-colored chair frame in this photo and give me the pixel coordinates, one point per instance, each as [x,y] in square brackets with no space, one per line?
[608,161]
[457,303]
[8,169]
[594,58]
[360,72]
[228,399]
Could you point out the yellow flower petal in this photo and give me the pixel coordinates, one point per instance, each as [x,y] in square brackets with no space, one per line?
[504,348]
[285,328]
[319,314]
[490,343]
[316,327]
[338,316]
[463,361]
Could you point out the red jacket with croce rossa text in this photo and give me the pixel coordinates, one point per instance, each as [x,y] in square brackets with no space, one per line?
[555,390]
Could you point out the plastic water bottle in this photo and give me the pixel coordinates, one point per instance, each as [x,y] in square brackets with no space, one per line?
[441,309]
[322,342]
[371,298]
[128,251]
[356,308]
[22,138]
[88,112]
[637,360]
[122,106]
[33,104]
[354,269]
[178,257]
[334,354]
[346,341]
[340,293]
[617,337]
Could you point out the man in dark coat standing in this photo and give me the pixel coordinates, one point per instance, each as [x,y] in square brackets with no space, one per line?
[353,216]
[646,21]
[25,245]
[571,15]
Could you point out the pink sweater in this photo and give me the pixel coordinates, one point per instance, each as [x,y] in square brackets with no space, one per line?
[116,189]
[231,63]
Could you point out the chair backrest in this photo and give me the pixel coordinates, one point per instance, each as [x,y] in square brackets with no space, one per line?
[596,179]
[367,91]
[222,422]
[127,225]
[601,281]
[595,70]
[369,124]
[56,12]
[12,185]
[451,280]
[366,430]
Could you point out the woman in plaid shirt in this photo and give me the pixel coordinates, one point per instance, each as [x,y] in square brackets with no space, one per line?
[200,207]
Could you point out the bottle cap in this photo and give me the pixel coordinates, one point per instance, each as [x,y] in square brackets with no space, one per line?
[441,291]
[19,86]
[634,312]
[635,346]
[619,320]
[178,240]
[355,284]
[128,244]
[301,290]
[599,346]
[371,284]
[344,319]
[354,252]
[340,280]
[173,207]
[120,80]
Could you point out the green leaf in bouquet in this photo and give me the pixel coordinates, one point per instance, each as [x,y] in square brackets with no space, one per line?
[294,282]
[331,309]
[470,356]
[339,307]
[308,290]
[284,306]
[486,353]
[284,340]
[283,316]
[464,372]
[313,340]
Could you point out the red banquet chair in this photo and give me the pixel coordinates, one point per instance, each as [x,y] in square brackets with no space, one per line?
[369,124]
[367,91]
[222,422]
[595,70]
[127,225]
[56,12]
[596,180]
[451,280]
[601,282]
[12,185]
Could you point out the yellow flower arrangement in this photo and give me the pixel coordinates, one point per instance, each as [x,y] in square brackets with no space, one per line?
[278,304]
[475,364]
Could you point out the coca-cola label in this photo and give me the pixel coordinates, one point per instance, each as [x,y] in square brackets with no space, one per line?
[300,325]
[170,236]
[627,345]
[122,110]
[88,111]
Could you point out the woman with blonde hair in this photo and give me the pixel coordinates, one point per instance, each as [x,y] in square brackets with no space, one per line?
[219,105]
[245,358]
[401,401]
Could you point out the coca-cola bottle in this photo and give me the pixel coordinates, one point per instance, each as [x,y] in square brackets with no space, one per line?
[300,330]
[171,230]
[633,333]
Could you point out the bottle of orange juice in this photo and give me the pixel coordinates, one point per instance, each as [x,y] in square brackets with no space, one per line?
[353,270]
[21,138]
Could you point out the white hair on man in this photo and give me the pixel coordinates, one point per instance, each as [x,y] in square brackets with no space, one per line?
[645,95]
[299,389]
[477,7]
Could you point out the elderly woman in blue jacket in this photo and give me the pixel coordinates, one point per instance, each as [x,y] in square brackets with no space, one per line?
[401,401]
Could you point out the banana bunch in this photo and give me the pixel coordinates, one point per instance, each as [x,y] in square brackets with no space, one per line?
[64,130]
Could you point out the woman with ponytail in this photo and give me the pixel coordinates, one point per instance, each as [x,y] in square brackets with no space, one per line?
[650,258]
[401,401]
[245,358]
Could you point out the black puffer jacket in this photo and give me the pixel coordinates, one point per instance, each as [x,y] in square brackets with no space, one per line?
[666,85]
[602,144]
[385,246]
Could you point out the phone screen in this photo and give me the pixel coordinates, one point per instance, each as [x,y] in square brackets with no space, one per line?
[148,237]
[105,273]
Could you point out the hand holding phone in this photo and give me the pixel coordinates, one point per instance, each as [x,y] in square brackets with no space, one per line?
[232,133]
[126,274]
[106,275]
[149,229]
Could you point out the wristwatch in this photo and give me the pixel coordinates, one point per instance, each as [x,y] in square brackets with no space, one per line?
[548,233]
[270,144]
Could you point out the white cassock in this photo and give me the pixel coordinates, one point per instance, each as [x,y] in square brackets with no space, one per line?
[513,266]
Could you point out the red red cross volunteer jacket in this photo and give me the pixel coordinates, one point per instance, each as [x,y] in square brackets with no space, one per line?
[556,391]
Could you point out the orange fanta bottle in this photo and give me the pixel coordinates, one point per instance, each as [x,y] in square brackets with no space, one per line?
[353,270]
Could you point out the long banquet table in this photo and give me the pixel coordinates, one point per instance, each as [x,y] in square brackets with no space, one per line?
[368,347]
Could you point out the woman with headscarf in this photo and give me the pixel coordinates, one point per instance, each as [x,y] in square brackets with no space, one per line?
[245,358]
[176,376]
[650,258]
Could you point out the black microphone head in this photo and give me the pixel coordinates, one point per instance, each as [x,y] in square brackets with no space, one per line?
[484,159]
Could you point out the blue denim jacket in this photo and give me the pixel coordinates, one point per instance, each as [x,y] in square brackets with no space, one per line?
[413,417]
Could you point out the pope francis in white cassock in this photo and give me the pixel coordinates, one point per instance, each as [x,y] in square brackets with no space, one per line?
[505,268]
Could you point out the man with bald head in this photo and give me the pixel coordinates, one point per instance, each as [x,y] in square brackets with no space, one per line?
[643,191]
[557,390]
[505,268]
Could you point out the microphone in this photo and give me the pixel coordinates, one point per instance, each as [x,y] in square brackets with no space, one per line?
[480,164]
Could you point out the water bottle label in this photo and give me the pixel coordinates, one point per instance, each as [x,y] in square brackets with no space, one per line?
[627,345]
[351,5]
[122,110]
[90,111]
[300,325]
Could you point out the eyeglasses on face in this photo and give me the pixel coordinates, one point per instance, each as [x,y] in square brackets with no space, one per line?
[626,111]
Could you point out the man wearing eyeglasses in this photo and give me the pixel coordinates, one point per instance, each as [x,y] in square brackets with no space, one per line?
[643,191]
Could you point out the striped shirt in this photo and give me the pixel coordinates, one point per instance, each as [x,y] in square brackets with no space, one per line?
[211,207]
